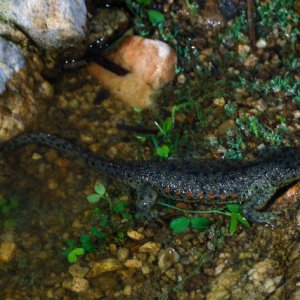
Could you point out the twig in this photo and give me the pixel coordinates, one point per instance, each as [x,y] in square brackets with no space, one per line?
[251,23]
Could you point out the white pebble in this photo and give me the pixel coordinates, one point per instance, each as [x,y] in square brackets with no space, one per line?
[261,44]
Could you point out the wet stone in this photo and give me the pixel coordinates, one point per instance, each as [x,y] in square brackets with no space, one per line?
[150,247]
[133,263]
[7,251]
[76,285]
[78,271]
[225,126]
[167,257]
[122,254]
[127,290]
[106,265]
[135,235]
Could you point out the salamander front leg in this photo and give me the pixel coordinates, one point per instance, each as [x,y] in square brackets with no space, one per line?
[146,199]
[258,196]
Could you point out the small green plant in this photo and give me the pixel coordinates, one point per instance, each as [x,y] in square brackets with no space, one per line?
[230,110]
[236,146]
[166,141]
[285,19]
[100,223]
[236,217]
[286,84]
[237,29]
[251,125]
[193,7]
[181,224]
[7,206]
[115,205]
[142,12]
[71,252]
[100,193]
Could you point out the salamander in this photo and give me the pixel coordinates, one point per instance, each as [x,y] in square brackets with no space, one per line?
[252,182]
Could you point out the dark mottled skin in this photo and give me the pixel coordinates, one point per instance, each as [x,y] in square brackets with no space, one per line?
[253,183]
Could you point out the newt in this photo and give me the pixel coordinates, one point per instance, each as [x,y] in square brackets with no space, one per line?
[252,182]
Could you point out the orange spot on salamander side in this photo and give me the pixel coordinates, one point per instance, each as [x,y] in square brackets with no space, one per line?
[190,194]
[200,196]
[211,195]
[177,192]
[167,190]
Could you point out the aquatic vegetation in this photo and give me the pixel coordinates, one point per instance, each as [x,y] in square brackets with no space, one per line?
[251,125]
[182,224]
[235,146]
[236,29]
[100,193]
[285,19]
[7,207]
[115,205]
[101,224]
[143,12]
[71,252]
[192,6]
[248,127]
[286,84]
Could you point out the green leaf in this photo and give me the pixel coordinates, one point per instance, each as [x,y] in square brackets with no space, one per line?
[163,151]
[233,223]
[99,189]
[141,138]
[84,238]
[93,198]
[97,211]
[2,202]
[119,206]
[167,125]
[97,233]
[243,220]
[144,2]
[86,243]
[127,216]
[72,258]
[70,243]
[104,219]
[10,223]
[6,209]
[13,203]
[180,224]
[78,251]
[234,208]
[200,223]
[121,235]
[155,17]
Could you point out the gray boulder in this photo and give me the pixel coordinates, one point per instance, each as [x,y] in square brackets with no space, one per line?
[11,61]
[51,24]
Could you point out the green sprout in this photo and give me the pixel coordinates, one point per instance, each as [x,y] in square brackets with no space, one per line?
[182,224]
[7,206]
[193,7]
[71,252]
[142,11]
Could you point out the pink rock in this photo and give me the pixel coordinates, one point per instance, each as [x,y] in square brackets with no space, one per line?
[151,64]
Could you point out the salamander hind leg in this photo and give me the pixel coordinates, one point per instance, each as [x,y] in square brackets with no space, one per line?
[257,197]
[146,199]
